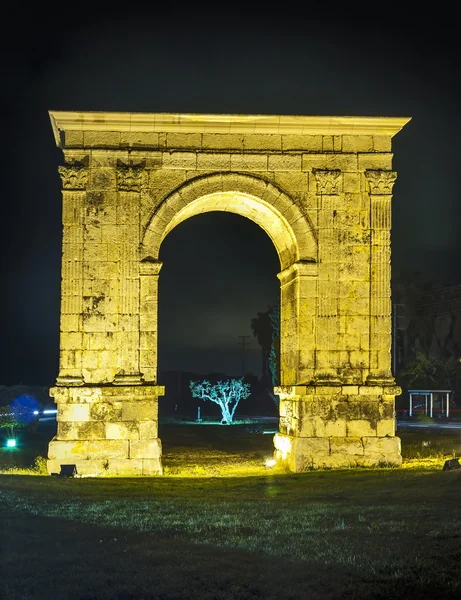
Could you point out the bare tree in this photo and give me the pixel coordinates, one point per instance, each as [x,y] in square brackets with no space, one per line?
[226,394]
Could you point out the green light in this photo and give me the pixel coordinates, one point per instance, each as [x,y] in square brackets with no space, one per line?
[11,443]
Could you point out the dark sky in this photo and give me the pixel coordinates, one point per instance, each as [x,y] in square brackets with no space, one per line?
[322,64]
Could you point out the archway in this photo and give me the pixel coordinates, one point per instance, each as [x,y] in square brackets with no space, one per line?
[321,189]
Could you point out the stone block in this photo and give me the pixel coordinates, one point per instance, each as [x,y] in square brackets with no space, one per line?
[102,178]
[382,143]
[139,411]
[262,141]
[86,430]
[150,449]
[346,445]
[106,411]
[375,161]
[220,161]
[71,340]
[336,428]
[73,412]
[101,139]
[382,445]
[125,467]
[343,162]
[385,427]
[66,451]
[306,143]
[327,143]
[360,428]
[73,139]
[183,140]
[102,449]
[152,466]
[179,160]
[139,139]
[148,430]
[127,430]
[284,162]
[292,181]
[92,468]
[148,342]
[314,161]
[90,359]
[224,141]
[357,143]
[249,162]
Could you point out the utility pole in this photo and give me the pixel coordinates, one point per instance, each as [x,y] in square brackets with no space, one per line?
[243,345]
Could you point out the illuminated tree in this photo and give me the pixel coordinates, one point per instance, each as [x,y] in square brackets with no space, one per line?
[226,394]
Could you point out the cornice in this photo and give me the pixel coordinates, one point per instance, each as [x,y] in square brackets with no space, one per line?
[63,121]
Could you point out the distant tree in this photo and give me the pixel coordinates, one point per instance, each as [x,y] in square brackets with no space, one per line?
[226,394]
[266,329]
[261,326]
[12,419]
[430,371]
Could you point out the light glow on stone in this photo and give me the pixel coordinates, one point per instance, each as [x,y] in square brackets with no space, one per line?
[282,443]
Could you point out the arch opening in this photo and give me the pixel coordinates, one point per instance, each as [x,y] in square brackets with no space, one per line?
[219,271]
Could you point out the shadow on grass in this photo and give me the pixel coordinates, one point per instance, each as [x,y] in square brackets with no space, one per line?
[52,558]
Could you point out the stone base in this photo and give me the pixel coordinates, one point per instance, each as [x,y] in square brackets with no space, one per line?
[100,458]
[107,431]
[304,454]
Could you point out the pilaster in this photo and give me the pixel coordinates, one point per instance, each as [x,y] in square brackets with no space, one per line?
[380,184]
[329,187]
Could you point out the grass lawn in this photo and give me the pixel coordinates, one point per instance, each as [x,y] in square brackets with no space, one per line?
[219,525]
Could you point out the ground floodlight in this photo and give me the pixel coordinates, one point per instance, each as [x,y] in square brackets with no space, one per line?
[270,462]
[451,464]
[11,443]
[68,471]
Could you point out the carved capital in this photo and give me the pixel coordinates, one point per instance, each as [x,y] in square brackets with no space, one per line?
[131,178]
[150,266]
[328,181]
[74,176]
[380,182]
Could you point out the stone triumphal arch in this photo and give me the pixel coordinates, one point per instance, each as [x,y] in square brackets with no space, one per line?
[320,187]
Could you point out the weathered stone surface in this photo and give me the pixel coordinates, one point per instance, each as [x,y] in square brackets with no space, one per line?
[139,411]
[73,412]
[145,449]
[320,187]
[67,450]
[87,430]
[128,430]
[108,448]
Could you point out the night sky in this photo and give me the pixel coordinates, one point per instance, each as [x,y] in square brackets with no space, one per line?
[239,63]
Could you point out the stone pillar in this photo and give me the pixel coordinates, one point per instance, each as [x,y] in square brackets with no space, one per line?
[298,298]
[329,185]
[149,273]
[107,418]
[337,419]
[380,189]
[130,181]
[74,177]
